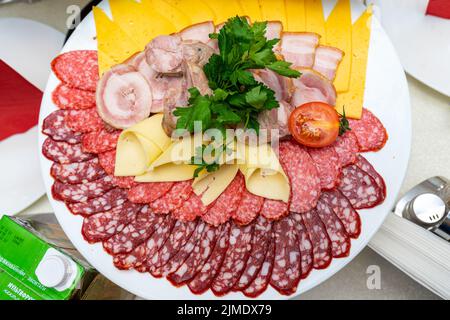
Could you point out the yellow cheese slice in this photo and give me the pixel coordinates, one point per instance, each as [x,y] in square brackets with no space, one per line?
[251,9]
[353,99]
[339,35]
[178,18]
[315,21]
[225,10]
[295,15]
[197,10]
[273,10]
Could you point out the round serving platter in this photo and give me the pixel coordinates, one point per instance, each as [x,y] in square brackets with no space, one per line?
[386,96]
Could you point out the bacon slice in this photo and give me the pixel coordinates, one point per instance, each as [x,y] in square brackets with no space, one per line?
[299,48]
[327,60]
[274,30]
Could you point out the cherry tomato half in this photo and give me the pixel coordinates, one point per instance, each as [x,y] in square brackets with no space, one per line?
[314,124]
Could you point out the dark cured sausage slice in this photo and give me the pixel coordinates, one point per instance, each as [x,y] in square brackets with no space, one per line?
[55,126]
[105,202]
[262,235]
[197,258]
[344,211]
[369,131]
[84,120]
[286,272]
[274,209]
[235,260]
[346,146]
[364,165]
[319,238]
[68,98]
[100,141]
[62,152]
[77,172]
[148,192]
[81,192]
[103,225]
[360,188]
[327,164]
[180,235]
[262,280]
[304,243]
[248,208]
[173,199]
[77,69]
[340,241]
[204,278]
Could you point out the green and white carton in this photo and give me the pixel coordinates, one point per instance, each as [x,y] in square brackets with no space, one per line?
[33,269]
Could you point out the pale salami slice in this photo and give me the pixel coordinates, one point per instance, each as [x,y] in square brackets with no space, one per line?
[344,211]
[68,98]
[180,235]
[340,241]
[304,243]
[63,152]
[84,120]
[191,209]
[274,209]
[77,172]
[327,164]
[286,273]
[365,165]
[81,192]
[248,208]
[303,175]
[105,202]
[123,182]
[56,128]
[103,225]
[77,69]
[204,278]
[108,161]
[360,188]
[262,280]
[319,237]
[235,260]
[148,192]
[346,146]
[227,203]
[133,234]
[262,235]
[197,258]
[100,141]
[369,131]
[173,199]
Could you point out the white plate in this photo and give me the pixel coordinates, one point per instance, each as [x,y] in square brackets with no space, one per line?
[386,95]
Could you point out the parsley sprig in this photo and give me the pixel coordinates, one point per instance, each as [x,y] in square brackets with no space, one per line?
[344,125]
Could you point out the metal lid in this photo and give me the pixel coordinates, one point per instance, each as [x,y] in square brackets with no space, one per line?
[427,209]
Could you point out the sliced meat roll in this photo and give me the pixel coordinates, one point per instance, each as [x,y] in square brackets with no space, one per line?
[311,86]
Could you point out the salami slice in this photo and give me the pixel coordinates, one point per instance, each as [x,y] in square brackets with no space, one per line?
[344,211]
[304,243]
[81,192]
[84,120]
[77,172]
[103,225]
[123,182]
[319,237]
[197,258]
[327,164]
[346,146]
[365,165]
[190,209]
[305,181]
[55,127]
[68,98]
[369,131]
[173,199]
[260,244]
[274,209]
[235,260]
[262,280]
[108,161]
[180,235]
[100,141]
[148,192]
[248,208]
[77,69]
[202,281]
[340,241]
[63,152]
[133,234]
[111,199]
[227,203]
[360,188]
[286,272]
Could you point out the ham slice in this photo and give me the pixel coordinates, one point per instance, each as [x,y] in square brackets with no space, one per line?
[198,32]
[123,97]
[299,48]
[312,86]
[327,60]
[164,54]
[282,86]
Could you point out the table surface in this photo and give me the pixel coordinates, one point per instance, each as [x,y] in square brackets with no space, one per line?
[430,155]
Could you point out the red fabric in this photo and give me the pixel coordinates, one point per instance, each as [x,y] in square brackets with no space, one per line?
[439,8]
[19,102]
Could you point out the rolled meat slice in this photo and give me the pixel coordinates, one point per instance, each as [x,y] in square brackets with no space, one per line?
[164,54]
[198,32]
[124,97]
[311,86]
[299,48]
[327,61]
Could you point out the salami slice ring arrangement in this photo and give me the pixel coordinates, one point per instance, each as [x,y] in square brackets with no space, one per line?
[240,242]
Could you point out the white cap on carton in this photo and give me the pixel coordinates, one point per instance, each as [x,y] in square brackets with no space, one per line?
[55,270]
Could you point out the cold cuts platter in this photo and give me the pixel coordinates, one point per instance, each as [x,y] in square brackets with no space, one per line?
[166,229]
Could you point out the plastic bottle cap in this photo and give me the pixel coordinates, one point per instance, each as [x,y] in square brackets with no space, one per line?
[52,271]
